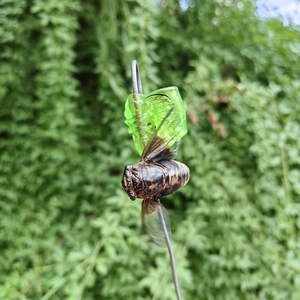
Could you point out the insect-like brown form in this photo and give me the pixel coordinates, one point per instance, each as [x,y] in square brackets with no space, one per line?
[154,177]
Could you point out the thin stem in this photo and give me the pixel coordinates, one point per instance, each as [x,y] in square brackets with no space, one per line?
[93,258]
[91,263]
[288,190]
[285,171]
[62,282]
[55,288]
[172,259]
[287,185]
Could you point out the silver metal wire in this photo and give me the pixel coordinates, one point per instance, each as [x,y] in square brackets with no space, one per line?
[172,259]
[136,78]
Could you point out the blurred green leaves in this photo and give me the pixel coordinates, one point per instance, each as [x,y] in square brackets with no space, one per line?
[68,231]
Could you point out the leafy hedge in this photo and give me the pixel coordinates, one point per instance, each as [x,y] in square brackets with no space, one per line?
[68,230]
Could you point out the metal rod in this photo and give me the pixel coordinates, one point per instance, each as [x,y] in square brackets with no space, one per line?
[137,89]
[172,259]
[136,78]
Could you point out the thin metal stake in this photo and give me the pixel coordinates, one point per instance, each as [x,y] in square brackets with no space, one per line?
[138,104]
[137,89]
[136,78]
[172,259]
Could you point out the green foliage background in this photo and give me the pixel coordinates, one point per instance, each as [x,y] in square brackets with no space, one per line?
[68,230]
